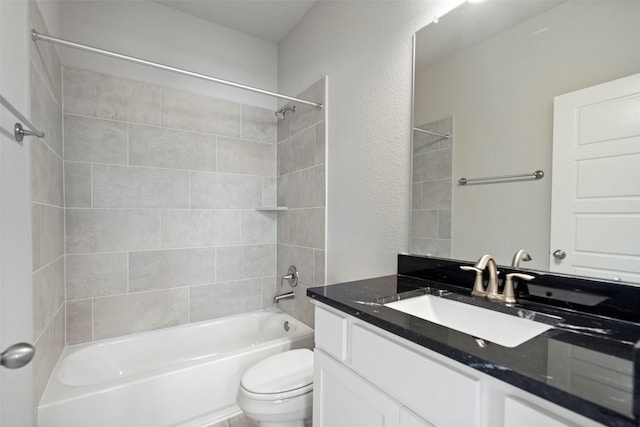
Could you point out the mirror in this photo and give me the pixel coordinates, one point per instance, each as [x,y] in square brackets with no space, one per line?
[486,75]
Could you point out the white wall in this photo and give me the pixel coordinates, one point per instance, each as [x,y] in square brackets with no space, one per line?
[500,94]
[365,48]
[157,33]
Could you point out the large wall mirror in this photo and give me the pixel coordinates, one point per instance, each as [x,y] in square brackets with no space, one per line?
[486,77]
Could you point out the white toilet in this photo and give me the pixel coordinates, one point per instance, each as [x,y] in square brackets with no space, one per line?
[278,391]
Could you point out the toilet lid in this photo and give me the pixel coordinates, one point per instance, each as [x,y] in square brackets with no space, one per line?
[280,373]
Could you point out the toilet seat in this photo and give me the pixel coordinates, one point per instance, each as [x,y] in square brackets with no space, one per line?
[281,376]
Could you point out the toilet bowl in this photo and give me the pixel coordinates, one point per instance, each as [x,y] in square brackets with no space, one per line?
[278,391]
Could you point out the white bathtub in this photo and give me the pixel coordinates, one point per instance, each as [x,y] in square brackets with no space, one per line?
[182,376]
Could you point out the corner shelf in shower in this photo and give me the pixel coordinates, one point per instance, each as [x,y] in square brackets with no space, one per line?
[273,208]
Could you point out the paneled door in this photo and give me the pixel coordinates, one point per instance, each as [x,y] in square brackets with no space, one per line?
[595,203]
[15,218]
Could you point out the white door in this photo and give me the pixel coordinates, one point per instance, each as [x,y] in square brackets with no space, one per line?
[595,203]
[15,218]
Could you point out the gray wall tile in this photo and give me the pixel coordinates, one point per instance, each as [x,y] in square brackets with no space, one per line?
[188,111]
[225,191]
[96,275]
[290,190]
[416,195]
[307,227]
[225,299]
[77,185]
[307,115]
[97,95]
[433,247]
[171,268]
[87,139]
[48,349]
[425,224]
[268,291]
[321,143]
[302,258]
[246,157]
[78,318]
[138,312]
[45,112]
[198,228]
[48,294]
[170,148]
[313,187]
[44,55]
[258,227]
[244,262]
[319,266]
[48,234]
[46,174]
[269,195]
[436,194]
[111,230]
[297,152]
[258,124]
[444,220]
[134,187]
[432,165]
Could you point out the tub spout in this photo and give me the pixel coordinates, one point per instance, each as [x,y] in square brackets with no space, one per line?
[288,295]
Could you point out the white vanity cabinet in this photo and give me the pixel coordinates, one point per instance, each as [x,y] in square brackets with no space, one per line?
[368,377]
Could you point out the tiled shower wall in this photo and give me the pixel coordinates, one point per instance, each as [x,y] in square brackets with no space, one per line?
[302,189]
[47,208]
[431,190]
[161,188]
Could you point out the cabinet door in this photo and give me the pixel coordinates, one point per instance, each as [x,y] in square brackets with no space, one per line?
[409,419]
[518,413]
[343,399]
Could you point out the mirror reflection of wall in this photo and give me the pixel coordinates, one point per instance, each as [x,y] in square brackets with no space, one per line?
[498,92]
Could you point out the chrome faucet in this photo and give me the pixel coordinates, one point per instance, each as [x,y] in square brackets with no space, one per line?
[491,293]
[492,285]
[520,256]
[288,295]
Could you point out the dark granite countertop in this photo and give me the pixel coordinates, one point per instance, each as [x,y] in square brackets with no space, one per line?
[593,329]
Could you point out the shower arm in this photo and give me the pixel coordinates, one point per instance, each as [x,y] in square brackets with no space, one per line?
[36,36]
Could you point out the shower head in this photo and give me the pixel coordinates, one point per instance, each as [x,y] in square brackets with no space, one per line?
[281,112]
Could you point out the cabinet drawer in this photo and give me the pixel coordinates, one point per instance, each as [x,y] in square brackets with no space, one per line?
[331,332]
[436,392]
[518,413]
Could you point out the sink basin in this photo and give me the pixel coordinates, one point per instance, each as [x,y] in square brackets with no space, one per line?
[493,326]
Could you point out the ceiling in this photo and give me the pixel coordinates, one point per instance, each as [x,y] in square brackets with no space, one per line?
[266,19]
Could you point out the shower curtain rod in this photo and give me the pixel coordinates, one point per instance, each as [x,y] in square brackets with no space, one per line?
[36,36]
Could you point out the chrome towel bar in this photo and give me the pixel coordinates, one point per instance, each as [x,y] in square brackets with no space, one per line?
[18,130]
[535,175]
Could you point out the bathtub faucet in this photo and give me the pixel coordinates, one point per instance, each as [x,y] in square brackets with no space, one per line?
[288,295]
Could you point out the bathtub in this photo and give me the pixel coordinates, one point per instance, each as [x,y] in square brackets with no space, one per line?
[181,376]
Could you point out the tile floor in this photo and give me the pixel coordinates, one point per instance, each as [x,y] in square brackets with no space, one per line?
[240,420]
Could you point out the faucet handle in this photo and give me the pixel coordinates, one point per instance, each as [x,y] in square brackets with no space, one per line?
[478,285]
[508,294]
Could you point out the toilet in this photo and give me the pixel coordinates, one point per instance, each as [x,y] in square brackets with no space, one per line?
[278,391]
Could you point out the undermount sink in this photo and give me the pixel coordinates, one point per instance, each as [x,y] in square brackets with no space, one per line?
[489,325]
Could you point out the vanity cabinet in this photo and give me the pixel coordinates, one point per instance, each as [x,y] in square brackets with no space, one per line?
[366,376]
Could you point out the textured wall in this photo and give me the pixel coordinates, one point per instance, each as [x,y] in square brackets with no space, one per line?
[47,208]
[158,33]
[161,187]
[301,188]
[367,56]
